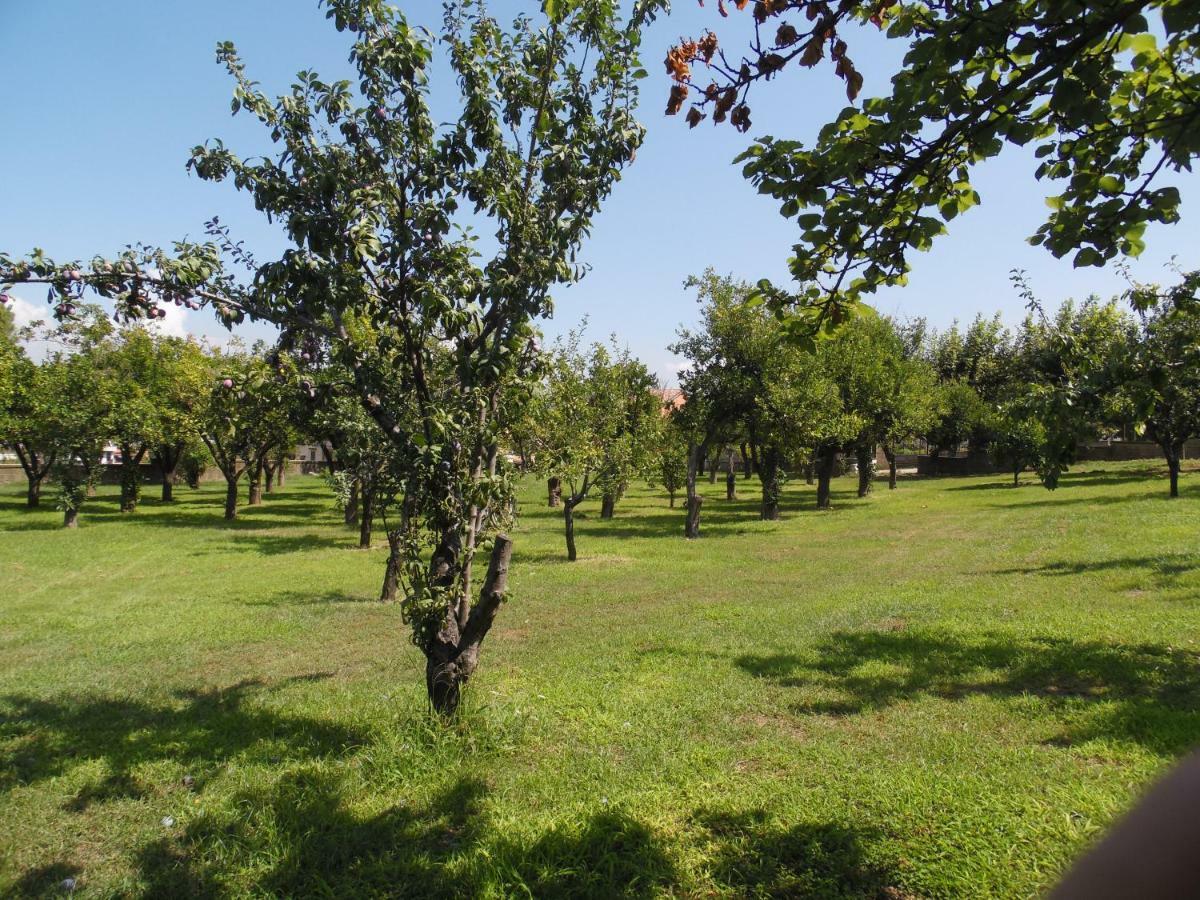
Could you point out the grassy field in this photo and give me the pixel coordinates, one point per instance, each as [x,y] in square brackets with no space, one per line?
[944,691]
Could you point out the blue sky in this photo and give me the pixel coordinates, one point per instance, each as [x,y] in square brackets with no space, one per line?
[102,102]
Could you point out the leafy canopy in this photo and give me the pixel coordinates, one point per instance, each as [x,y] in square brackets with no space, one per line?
[1107,92]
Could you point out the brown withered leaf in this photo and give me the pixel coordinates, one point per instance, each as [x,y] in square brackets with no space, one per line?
[740,118]
[679,93]
[813,51]
[769,63]
[694,117]
[786,35]
[854,83]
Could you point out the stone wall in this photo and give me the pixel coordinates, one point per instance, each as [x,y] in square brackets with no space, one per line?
[1127,450]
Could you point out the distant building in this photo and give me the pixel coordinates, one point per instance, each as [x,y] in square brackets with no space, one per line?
[672,399]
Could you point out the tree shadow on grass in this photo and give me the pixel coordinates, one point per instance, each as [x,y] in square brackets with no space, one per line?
[198,513]
[1164,570]
[44,881]
[756,857]
[274,545]
[201,729]
[299,838]
[1143,693]
[315,598]
[719,518]
[1048,499]
[1088,479]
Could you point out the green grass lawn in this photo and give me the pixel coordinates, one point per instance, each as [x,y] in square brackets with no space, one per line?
[947,690]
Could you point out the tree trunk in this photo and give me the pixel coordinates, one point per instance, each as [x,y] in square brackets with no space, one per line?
[671,499]
[769,476]
[754,457]
[254,489]
[731,481]
[608,505]
[268,478]
[714,464]
[569,525]
[1016,476]
[553,491]
[130,481]
[826,459]
[364,521]
[747,467]
[809,473]
[281,473]
[35,472]
[1173,454]
[70,518]
[864,455]
[330,453]
[691,525]
[890,455]
[451,659]
[391,576]
[231,497]
[350,513]
[691,528]
[167,458]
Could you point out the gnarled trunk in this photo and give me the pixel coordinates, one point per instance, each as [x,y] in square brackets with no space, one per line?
[70,518]
[350,513]
[608,505]
[864,455]
[714,464]
[730,480]
[391,575]
[769,475]
[553,491]
[826,460]
[453,655]
[747,466]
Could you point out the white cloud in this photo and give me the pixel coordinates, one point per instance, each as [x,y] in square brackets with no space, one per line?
[25,312]
[173,324]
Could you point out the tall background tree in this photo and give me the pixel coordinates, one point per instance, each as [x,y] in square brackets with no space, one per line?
[1160,370]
